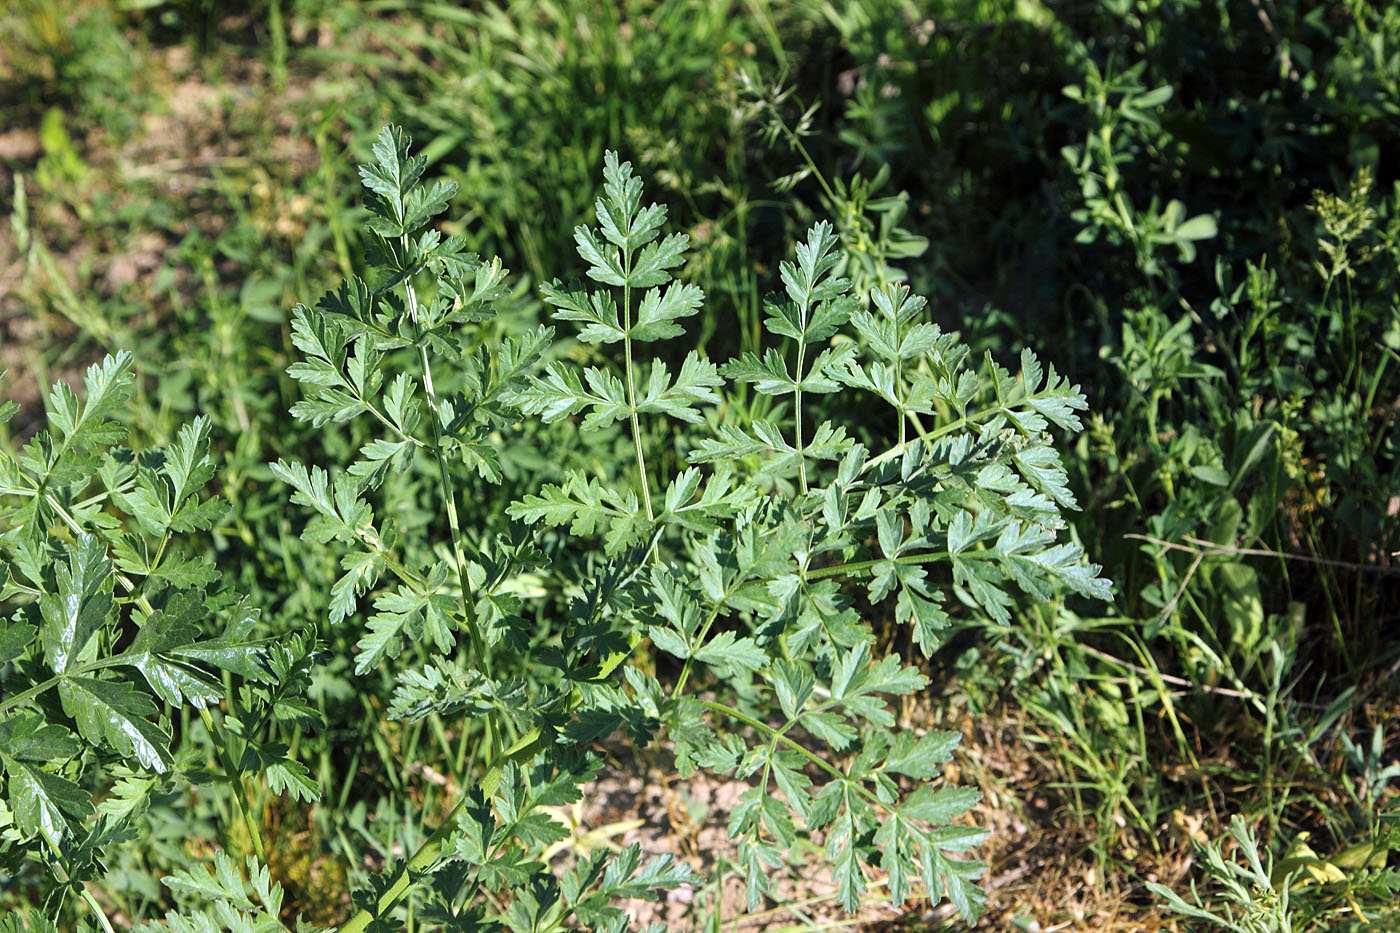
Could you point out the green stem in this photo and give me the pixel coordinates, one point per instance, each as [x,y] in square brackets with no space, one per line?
[764,16]
[864,567]
[778,735]
[117,660]
[235,774]
[856,568]
[64,874]
[429,852]
[699,639]
[796,142]
[402,572]
[632,390]
[476,648]
[903,400]
[797,412]
[279,44]
[83,892]
[235,777]
[97,498]
[96,908]
[81,669]
[29,694]
[383,419]
[950,427]
[68,520]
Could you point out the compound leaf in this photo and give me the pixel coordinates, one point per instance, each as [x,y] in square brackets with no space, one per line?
[113,714]
[73,615]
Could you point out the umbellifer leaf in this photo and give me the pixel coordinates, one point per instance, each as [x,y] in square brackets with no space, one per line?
[113,714]
[74,614]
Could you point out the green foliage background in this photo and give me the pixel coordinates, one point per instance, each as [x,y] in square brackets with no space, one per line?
[1187,208]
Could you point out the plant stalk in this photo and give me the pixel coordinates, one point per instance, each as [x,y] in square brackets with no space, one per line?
[235,777]
[632,392]
[431,849]
[798,442]
[477,648]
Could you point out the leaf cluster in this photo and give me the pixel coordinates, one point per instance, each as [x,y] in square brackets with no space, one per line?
[117,622]
[749,559]
[757,587]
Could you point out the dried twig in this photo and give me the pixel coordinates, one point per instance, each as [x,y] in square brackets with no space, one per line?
[1211,549]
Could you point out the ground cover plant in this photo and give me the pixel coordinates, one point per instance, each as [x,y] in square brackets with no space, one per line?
[1183,209]
[734,571]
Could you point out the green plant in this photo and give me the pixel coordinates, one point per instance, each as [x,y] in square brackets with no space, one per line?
[1253,892]
[118,618]
[1239,485]
[1259,900]
[659,77]
[730,568]
[1117,100]
[872,230]
[72,51]
[747,580]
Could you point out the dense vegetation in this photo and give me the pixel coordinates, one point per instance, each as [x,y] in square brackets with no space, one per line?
[991,425]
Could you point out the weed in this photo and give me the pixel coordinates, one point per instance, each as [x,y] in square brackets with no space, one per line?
[732,565]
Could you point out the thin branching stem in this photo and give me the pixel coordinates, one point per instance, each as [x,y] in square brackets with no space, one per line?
[530,744]
[235,776]
[861,568]
[476,648]
[631,387]
[798,441]
[795,141]
[780,736]
[700,634]
[949,428]
[83,892]
[97,910]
